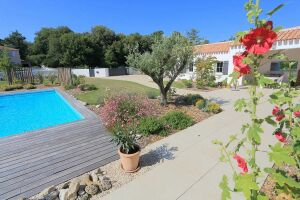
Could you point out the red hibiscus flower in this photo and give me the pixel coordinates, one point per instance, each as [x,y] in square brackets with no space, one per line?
[259,40]
[239,65]
[297,113]
[241,163]
[280,117]
[269,25]
[280,137]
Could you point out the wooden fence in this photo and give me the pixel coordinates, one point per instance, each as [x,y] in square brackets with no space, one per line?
[65,76]
[22,74]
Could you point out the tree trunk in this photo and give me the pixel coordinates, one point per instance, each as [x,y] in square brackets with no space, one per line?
[163,97]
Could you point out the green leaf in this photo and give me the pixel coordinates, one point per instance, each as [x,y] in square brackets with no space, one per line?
[244,183]
[296,146]
[240,104]
[262,197]
[225,189]
[264,81]
[281,155]
[282,178]
[254,133]
[296,132]
[275,9]
[270,121]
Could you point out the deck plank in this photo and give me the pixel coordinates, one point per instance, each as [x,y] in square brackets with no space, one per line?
[35,160]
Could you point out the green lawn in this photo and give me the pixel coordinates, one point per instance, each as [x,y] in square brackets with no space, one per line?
[113,86]
[177,84]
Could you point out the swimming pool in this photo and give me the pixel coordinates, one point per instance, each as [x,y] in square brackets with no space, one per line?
[29,111]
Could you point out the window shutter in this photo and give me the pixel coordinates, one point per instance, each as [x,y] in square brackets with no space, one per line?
[225,67]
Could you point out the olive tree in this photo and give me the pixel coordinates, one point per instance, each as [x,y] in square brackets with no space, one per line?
[167,59]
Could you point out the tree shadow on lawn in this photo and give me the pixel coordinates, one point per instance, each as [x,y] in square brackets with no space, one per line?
[159,155]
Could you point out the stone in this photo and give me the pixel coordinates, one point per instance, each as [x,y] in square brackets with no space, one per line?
[65,185]
[94,177]
[98,106]
[73,189]
[47,191]
[86,180]
[52,195]
[63,194]
[22,198]
[83,197]
[98,171]
[81,190]
[105,183]
[92,189]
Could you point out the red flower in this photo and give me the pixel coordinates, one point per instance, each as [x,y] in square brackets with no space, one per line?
[297,113]
[259,40]
[241,163]
[279,114]
[275,110]
[269,25]
[280,136]
[239,65]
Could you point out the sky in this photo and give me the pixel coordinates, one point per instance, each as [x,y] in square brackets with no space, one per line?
[216,20]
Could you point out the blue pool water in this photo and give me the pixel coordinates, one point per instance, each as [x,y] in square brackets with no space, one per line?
[28,111]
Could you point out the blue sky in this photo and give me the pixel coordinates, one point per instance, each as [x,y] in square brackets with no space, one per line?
[216,19]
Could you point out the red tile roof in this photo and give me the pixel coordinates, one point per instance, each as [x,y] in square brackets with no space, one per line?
[285,34]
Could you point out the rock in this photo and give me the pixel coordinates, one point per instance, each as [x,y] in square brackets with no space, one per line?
[52,195]
[98,171]
[86,180]
[92,189]
[94,177]
[63,194]
[98,106]
[22,198]
[65,185]
[83,197]
[47,191]
[81,190]
[73,189]
[105,183]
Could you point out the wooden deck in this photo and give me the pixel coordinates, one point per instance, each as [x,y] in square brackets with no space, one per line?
[32,161]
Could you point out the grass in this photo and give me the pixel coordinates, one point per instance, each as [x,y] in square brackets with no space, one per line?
[177,84]
[106,86]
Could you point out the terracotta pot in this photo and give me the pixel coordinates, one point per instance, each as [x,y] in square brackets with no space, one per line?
[130,162]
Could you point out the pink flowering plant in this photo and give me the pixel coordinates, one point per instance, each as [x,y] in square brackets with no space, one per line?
[125,109]
[285,118]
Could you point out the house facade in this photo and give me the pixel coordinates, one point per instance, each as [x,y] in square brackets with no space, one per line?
[13,54]
[288,42]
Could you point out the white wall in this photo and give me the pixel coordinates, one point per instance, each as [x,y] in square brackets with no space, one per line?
[99,72]
[81,72]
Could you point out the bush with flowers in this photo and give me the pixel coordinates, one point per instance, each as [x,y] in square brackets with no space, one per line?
[125,109]
[285,118]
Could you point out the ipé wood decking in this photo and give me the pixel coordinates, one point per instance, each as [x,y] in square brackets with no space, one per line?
[33,161]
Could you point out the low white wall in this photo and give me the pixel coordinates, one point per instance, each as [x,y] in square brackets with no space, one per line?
[81,72]
[101,72]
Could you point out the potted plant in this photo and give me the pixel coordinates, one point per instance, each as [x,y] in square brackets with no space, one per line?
[129,150]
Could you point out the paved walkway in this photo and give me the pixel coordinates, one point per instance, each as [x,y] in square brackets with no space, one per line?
[194,171]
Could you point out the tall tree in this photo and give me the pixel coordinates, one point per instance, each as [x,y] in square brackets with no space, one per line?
[195,38]
[167,59]
[18,41]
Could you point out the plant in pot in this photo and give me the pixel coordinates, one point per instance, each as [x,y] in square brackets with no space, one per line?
[129,150]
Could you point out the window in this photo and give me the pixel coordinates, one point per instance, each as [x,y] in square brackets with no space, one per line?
[219,67]
[191,67]
[275,67]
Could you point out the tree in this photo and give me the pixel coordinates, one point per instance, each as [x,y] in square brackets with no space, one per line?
[18,41]
[74,50]
[194,37]
[168,57]
[5,64]
[205,71]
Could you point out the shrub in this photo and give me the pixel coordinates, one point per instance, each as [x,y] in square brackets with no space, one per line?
[213,107]
[69,87]
[187,83]
[13,87]
[40,78]
[52,78]
[151,95]
[201,104]
[87,87]
[189,99]
[177,120]
[78,80]
[151,125]
[125,109]
[29,86]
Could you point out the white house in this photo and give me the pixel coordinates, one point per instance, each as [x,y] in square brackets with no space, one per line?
[288,42]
